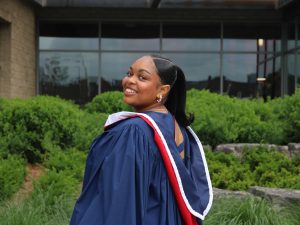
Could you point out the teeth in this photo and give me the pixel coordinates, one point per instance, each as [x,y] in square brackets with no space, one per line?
[130,91]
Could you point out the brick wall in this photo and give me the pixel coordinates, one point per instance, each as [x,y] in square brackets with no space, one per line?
[17,49]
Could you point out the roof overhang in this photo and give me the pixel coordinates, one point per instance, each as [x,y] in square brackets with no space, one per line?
[214,4]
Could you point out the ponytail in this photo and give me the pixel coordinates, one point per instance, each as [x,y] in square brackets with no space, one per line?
[176,100]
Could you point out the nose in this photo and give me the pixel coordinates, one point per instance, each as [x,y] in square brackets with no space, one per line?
[132,79]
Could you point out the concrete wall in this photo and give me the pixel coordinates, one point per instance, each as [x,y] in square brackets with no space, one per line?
[17,49]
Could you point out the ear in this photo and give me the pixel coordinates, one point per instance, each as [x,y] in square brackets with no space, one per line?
[165,89]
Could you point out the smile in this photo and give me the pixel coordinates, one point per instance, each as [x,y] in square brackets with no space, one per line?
[129,91]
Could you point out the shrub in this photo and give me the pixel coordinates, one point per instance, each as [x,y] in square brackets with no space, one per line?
[29,127]
[108,102]
[57,185]
[271,168]
[256,167]
[12,173]
[222,119]
[288,111]
[71,162]
[227,172]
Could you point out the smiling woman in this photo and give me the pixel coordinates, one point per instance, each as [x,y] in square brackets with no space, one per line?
[148,167]
[142,86]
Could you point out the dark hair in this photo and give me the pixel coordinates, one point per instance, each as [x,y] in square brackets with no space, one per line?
[172,74]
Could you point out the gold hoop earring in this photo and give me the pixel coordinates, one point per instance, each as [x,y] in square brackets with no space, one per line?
[158,99]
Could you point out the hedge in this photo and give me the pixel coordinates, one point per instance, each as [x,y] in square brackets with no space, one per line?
[256,167]
[12,174]
[32,127]
[223,119]
[108,102]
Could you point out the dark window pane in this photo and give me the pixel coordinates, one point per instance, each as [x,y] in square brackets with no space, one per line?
[269,68]
[298,69]
[244,37]
[239,72]
[291,73]
[69,75]
[298,41]
[68,36]
[130,36]
[114,67]
[291,36]
[201,70]
[194,37]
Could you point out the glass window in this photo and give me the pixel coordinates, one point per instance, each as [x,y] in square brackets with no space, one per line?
[239,74]
[201,70]
[276,84]
[68,36]
[291,73]
[298,26]
[114,67]
[69,75]
[248,37]
[291,42]
[298,69]
[130,36]
[191,37]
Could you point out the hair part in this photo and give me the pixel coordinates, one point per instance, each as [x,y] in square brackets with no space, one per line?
[173,75]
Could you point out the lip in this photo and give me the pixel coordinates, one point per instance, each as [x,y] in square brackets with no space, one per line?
[129,91]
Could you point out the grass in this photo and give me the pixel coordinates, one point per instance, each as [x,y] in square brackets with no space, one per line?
[251,211]
[225,211]
[36,211]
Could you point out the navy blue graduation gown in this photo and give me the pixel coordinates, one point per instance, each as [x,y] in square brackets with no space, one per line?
[126,183]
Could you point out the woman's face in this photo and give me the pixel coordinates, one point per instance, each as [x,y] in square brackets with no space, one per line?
[142,85]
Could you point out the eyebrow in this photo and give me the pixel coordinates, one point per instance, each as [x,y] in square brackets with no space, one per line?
[142,70]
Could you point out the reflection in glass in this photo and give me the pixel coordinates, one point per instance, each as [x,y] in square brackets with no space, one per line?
[298,69]
[69,75]
[130,36]
[240,45]
[193,37]
[239,74]
[270,69]
[68,36]
[291,42]
[244,37]
[201,70]
[68,43]
[291,73]
[114,67]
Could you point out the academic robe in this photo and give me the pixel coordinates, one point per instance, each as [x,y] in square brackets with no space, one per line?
[126,181]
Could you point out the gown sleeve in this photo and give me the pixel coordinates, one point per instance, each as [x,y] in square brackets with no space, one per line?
[117,179]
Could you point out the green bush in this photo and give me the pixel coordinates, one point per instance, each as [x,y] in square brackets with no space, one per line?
[30,127]
[108,102]
[228,172]
[57,185]
[222,119]
[12,173]
[256,167]
[70,162]
[271,168]
[288,111]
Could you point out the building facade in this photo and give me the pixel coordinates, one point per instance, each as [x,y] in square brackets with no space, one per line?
[78,49]
[17,48]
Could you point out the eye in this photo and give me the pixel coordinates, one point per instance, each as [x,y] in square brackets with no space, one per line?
[142,77]
[129,74]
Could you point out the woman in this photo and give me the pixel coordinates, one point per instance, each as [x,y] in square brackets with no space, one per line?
[148,167]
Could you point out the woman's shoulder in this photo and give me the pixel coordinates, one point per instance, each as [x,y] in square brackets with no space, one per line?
[131,123]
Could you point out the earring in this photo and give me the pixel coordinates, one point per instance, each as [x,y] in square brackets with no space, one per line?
[158,99]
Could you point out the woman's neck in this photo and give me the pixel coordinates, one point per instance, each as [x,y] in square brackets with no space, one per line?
[160,108]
